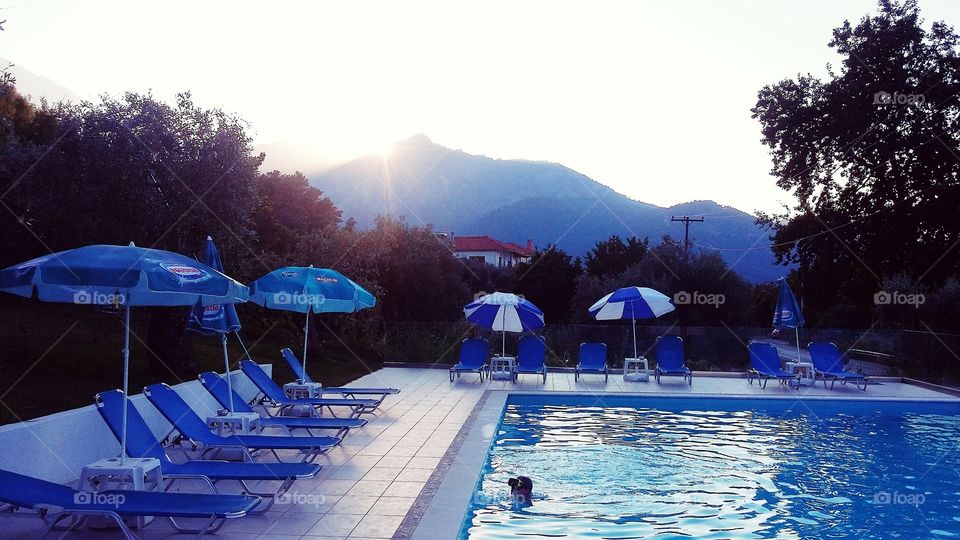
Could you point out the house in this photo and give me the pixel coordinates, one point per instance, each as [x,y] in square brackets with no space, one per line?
[490,250]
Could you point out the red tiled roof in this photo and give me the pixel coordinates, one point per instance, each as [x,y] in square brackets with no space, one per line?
[485,243]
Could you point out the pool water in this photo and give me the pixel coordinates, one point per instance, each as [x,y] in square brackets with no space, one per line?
[733,468]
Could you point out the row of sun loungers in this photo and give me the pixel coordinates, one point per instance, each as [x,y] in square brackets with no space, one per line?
[765,362]
[64,507]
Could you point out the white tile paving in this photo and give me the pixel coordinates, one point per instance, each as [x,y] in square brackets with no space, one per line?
[371,481]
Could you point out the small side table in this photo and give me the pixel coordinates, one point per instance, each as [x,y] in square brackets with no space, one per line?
[501,368]
[299,389]
[138,474]
[805,369]
[632,371]
[236,423]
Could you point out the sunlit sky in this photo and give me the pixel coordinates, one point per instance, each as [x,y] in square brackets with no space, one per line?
[649,98]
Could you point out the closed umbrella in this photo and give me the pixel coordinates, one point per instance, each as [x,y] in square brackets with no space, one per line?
[216,318]
[124,276]
[305,289]
[504,312]
[631,303]
[788,314]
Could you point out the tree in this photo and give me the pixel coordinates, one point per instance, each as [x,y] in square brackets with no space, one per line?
[549,280]
[612,256]
[134,169]
[869,155]
[289,208]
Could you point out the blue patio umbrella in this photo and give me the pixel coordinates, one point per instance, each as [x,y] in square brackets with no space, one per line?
[305,289]
[631,303]
[504,312]
[216,318]
[788,313]
[124,276]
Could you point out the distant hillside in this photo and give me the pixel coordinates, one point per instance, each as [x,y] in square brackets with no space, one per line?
[515,200]
[36,86]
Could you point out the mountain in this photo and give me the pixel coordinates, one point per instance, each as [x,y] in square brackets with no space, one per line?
[36,86]
[516,200]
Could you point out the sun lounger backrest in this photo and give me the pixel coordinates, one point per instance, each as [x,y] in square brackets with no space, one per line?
[669,351]
[531,352]
[141,442]
[295,365]
[178,412]
[473,352]
[217,386]
[826,357]
[593,355]
[263,381]
[764,357]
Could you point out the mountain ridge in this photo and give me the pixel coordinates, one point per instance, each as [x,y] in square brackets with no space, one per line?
[515,200]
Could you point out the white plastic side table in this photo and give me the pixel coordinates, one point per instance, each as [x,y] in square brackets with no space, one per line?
[632,371]
[805,369]
[138,474]
[299,390]
[501,368]
[235,423]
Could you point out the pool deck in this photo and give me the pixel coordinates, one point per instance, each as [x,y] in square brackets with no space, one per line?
[410,471]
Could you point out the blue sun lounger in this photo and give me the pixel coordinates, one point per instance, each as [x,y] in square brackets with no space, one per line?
[195,430]
[348,391]
[828,363]
[473,358]
[671,358]
[273,394]
[765,365]
[531,357]
[142,443]
[54,503]
[217,386]
[592,358]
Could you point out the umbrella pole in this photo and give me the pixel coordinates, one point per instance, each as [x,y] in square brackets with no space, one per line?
[126,380]
[503,334]
[226,364]
[796,330]
[245,351]
[306,335]
[634,324]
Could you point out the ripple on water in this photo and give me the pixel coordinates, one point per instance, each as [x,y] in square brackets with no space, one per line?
[632,472]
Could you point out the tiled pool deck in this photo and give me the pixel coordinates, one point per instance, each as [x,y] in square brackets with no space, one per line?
[370,484]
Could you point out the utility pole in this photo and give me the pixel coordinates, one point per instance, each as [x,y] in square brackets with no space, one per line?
[686,229]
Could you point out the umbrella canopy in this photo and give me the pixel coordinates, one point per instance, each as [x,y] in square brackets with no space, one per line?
[305,289]
[216,318]
[504,312]
[121,276]
[631,303]
[787,313]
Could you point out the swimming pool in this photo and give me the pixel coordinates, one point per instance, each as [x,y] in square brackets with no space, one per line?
[722,468]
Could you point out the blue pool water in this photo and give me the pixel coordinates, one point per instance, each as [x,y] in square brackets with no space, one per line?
[733,468]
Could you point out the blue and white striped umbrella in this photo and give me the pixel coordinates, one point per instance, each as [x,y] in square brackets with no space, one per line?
[504,312]
[631,303]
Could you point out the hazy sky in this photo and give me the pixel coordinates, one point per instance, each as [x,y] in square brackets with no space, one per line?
[651,98]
